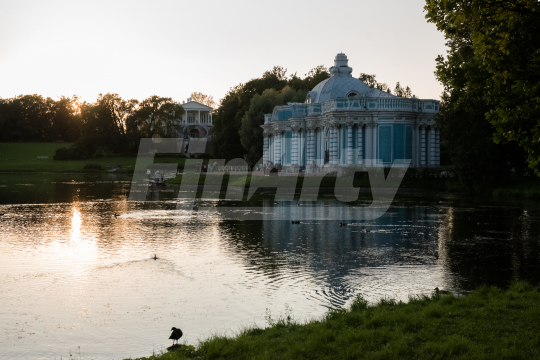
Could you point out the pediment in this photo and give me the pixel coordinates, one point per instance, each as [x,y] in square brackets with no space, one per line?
[193,105]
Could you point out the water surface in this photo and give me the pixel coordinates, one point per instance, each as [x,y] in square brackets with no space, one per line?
[73,276]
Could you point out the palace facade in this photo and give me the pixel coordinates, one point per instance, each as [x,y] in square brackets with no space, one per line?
[343,122]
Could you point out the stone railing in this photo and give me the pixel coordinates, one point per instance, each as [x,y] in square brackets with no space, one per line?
[378,104]
[362,104]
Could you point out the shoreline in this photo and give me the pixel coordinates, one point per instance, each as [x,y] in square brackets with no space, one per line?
[487,323]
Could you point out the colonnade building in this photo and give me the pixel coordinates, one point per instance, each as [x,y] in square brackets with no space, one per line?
[343,122]
[196,126]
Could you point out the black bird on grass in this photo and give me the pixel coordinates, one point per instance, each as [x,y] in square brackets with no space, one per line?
[155,257]
[176,334]
[342,224]
[295,221]
[116,215]
[445,292]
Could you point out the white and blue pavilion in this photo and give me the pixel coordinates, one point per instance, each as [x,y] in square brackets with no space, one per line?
[344,122]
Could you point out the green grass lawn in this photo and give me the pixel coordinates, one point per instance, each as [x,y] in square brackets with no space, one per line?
[489,323]
[24,157]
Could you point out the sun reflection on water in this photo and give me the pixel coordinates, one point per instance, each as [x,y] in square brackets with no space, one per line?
[76,223]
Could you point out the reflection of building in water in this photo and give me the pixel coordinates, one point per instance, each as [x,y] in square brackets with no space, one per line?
[344,122]
[386,253]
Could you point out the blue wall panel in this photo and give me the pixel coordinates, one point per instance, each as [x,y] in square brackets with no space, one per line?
[385,143]
[399,139]
[287,147]
[408,142]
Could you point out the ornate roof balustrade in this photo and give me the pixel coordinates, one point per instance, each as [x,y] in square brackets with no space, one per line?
[282,113]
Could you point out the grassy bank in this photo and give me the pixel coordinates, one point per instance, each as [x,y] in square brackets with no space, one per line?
[487,324]
[271,181]
[38,157]
[519,187]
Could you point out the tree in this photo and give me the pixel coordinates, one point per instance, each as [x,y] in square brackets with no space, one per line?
[227,121]
[66,119]
[251,133]
[227,118]
[465,134]
[35,118]
[311,79]
[402,92]
[203,99]
[230,131]
[103,128]
[369,80]
[504,40]
[27,118]
[467,138]
[157,116]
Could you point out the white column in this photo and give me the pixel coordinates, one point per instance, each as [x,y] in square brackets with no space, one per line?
[199,119]
[423,146]
[336,146]
[349,143]
[277,147]
[266,150]
[294,151]
[359,145]
[332,137]
[432,146]
[210,118]
[374,130]
[271,148]
[310,146]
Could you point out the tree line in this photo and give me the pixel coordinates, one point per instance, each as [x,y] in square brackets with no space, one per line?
[35,118]
[110,125]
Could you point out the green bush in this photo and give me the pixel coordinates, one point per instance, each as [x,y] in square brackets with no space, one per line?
[92,167]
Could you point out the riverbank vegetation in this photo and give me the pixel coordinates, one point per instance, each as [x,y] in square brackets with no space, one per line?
[489,323]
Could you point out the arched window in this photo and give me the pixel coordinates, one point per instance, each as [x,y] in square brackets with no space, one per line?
[194,134]
[308,99]
[352,94]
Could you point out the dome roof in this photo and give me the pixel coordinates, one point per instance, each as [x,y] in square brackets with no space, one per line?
[341,84]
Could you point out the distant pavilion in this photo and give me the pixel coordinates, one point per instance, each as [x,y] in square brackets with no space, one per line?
[196,124]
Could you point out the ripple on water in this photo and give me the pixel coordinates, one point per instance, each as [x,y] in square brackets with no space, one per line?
[90,281]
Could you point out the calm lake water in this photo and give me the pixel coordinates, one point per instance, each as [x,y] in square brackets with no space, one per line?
[76,280]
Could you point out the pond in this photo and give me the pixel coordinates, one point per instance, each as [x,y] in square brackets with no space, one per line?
[75,279]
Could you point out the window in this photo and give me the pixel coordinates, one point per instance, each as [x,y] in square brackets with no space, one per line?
[352,94]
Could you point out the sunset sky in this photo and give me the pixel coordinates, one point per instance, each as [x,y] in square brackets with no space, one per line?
[172,48]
